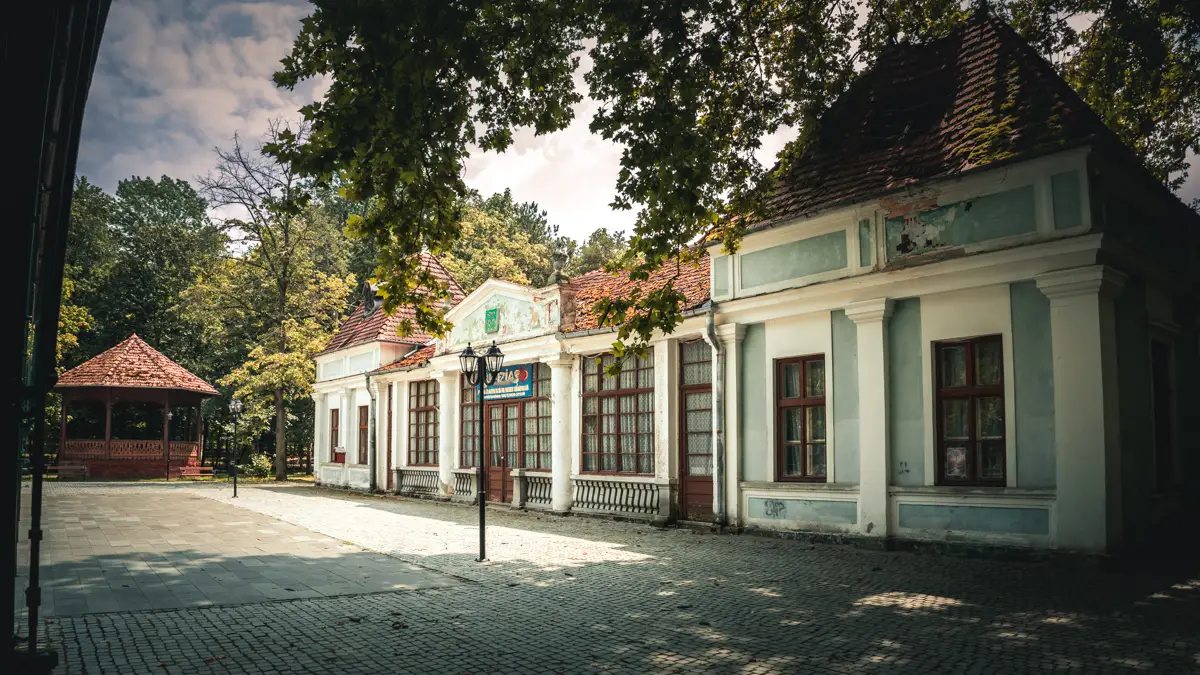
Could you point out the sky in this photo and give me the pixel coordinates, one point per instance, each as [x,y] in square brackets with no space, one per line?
[177,78]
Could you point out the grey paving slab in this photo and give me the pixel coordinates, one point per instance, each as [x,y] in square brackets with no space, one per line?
[126,560]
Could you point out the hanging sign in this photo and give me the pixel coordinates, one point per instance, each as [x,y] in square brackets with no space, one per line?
[511,382]
[491,320]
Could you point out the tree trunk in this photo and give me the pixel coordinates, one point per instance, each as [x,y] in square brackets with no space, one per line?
[280,436]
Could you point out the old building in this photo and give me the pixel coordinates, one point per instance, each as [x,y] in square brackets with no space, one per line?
[971,318]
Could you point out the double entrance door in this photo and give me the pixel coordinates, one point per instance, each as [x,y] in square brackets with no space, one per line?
[502,438]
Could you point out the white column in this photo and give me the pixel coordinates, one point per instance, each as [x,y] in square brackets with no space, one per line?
[381,419]
[561,416]
[731,336]
[345,421]
[874,455]
[1087,427]
[666,421]
[320,420]
[400,457]
[447,432]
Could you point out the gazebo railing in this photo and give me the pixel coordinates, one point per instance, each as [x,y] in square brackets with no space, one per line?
[122,449]
[82,450]
[182,452]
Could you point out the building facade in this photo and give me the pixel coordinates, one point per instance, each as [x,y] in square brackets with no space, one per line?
[933,339]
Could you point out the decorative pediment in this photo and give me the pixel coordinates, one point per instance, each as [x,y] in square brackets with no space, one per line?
[504,311]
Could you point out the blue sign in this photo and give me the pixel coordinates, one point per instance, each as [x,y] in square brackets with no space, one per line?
[511,382]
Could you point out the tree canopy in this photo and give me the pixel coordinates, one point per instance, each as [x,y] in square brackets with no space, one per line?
[688,90]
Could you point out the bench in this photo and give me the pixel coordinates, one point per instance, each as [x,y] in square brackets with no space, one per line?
[66,471]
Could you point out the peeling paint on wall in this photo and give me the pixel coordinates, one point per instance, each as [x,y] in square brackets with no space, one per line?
[994,216]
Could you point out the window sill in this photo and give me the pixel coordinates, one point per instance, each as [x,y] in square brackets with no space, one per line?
[420,466]
[978,491]
[798,486]
[622,477]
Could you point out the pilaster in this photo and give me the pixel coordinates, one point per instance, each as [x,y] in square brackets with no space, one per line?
[561,414]
[447,407]
[870,318]
[731,336]
[1087,424]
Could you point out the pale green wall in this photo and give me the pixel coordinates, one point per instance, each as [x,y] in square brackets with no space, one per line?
[906,403]
[1033,388]
[974,519]
[754,387]
[866,243]
[1068,207]
[793,260]
[994,216]
[845,397]
[824,511]
[720,272]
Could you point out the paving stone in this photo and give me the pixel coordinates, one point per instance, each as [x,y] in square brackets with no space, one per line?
[577,595]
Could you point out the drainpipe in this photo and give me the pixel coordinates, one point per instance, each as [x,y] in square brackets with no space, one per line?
[710,336]
[371,436]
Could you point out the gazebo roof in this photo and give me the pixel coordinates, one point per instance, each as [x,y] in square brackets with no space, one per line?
[134,364]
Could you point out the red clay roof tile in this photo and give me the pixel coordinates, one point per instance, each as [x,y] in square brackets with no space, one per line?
[693,282]
[379,326]
[133,363]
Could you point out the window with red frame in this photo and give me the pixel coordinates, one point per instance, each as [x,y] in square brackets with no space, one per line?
[364,434]
[423,423]
[800,415]
[335,436]
[618,416]
[969,382]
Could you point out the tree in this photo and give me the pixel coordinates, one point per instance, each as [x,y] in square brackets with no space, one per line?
[131,257]
[601,248]
[269,292]
[687,89]
[492,247]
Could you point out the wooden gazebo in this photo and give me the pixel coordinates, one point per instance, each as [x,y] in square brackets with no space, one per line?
[130,412]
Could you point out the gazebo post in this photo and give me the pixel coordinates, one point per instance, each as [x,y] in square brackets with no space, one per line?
[167,429]
[108,423]
[62,427]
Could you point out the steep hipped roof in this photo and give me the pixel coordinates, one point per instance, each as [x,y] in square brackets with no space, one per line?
[379,326]
[979,96]
[133,363]
[692,281]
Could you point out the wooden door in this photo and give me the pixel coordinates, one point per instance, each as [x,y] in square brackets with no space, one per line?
[503,442]
[695,438]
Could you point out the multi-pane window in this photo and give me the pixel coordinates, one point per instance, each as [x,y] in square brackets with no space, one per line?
[696,389]
[423,423]
[364,434]
[469,427]
[800,409]
[335,436]
[618,416]
[536,437]
[970,411]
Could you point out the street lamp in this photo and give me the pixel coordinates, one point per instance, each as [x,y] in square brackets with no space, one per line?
[235,408]
[481,370]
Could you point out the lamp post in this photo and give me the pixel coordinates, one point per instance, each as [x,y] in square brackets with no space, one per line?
[235,408]
[481,370]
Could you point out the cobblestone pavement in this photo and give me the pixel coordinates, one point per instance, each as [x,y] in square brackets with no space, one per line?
[576,595]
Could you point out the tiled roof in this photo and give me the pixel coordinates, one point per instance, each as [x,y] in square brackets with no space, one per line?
[379,326]
[978,96]
[693,282]
[133,363]
[416,357]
